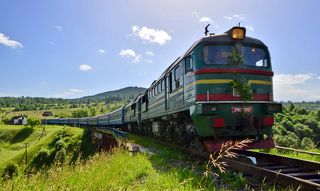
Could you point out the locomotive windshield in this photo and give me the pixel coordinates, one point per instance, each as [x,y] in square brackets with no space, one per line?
[228,54]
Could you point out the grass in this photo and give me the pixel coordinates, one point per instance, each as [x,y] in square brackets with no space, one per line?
[13,138]
[293,154]
[165,169]
[116,171]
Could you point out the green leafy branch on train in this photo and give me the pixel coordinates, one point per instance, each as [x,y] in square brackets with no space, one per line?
[235,57]
[243,88]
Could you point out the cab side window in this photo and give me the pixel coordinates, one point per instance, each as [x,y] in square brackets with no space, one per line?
[189,66]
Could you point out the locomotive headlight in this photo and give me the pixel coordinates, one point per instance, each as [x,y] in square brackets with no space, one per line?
[238,33]
[274,108]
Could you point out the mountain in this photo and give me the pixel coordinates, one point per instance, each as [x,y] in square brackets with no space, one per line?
[124,93]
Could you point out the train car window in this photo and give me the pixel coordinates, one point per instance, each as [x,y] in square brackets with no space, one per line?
[177,76]
[133,109]
[154,91]
[189,64]
[162,85]
[170,82]
[144,98]
[158,88]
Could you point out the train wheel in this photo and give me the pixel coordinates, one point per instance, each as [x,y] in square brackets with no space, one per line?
[195,142]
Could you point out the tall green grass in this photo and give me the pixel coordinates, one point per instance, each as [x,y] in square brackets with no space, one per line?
[110,171]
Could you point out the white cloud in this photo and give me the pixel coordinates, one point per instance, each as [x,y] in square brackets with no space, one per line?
[101,51]
[151,35]
[293,79]
[129,53]
[5,40]
[296,87]
[69,93]
[59,28]
[150,61]
[76,90]
[150,53]
[235,16]
[238,16]
[250,27]
[85,67]
[136,59]
[195,13]
[205,20]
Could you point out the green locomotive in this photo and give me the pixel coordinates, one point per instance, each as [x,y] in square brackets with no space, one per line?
[219,90]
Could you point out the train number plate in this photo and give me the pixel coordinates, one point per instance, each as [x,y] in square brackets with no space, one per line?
[245,109]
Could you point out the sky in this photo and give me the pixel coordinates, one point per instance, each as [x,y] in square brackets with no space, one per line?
[74,48]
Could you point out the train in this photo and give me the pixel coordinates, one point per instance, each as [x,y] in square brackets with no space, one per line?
[220,89]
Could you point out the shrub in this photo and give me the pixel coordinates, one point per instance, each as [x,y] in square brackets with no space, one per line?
[307,143]
[303,131]
[301,111]
[288,125]
[10,170]
[290,140]
[60,156]
[43,158]
[60,144]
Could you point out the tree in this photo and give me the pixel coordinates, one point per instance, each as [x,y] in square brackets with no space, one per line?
[291,107]
[32,122]
[92,111]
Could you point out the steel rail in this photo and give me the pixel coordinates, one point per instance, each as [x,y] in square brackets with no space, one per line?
[298,150]
[286,171]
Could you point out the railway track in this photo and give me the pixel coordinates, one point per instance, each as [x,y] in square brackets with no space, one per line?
[285,171]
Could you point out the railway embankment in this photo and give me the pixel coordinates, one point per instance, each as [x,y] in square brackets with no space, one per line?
[157,167]
[25,149]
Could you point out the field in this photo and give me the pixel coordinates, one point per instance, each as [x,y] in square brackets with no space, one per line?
[161,168]
[14,137]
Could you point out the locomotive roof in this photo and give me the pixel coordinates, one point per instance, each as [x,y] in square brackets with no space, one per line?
[221,38]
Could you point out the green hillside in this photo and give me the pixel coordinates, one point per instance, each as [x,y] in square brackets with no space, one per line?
[116,95]
[14,137]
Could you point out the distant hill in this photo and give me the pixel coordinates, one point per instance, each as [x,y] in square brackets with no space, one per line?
[124,93]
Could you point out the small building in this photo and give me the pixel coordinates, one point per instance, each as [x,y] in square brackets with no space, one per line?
[19,120]
[47,113]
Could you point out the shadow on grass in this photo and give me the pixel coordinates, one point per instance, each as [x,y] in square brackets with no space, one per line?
[87,148]
[22,135]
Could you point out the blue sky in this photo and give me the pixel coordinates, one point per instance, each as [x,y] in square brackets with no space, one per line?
[73,48]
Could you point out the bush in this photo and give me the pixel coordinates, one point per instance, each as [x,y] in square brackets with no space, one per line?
[10,170]
[303,131]
[60,156]
[301,111]
[307,143]
[291,140]
[288,125]
[43,158]
[60,144]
